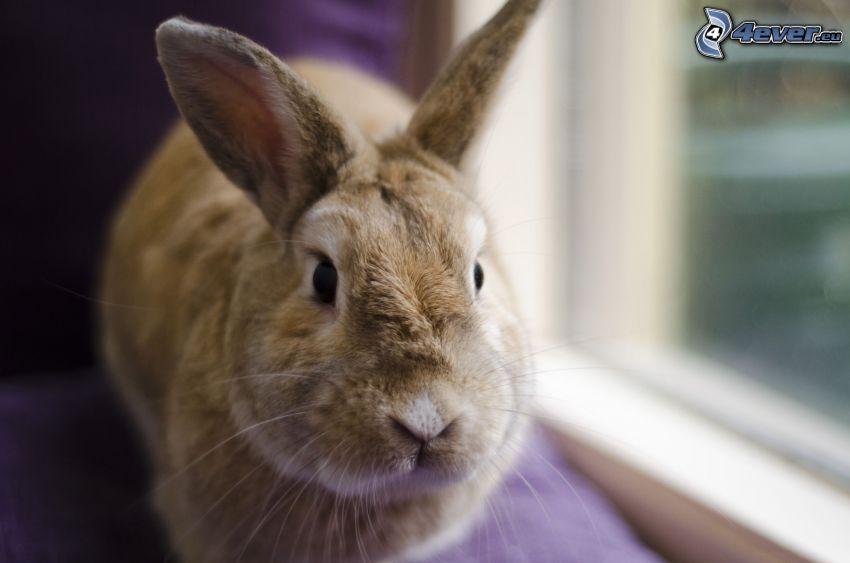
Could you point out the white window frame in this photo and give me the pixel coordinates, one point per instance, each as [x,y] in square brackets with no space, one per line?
[610,138]
[650,434]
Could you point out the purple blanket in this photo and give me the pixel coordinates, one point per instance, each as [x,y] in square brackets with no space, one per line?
[72,488]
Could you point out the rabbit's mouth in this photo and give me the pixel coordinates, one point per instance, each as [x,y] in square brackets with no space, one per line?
[415,479]
[408,469]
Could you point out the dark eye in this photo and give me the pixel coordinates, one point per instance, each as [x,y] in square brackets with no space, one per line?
[324,282]
[478,276]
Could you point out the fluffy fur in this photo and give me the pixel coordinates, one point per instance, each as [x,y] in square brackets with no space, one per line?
[275,422]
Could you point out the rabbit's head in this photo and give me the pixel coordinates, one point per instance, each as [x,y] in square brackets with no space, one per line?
[374,341]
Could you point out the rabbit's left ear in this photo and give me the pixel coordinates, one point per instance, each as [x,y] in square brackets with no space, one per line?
[259,122]
[454,109]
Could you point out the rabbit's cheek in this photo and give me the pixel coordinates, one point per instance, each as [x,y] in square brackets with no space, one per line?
[275,415]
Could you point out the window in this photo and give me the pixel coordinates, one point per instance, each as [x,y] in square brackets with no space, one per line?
[684,219]
[766,201]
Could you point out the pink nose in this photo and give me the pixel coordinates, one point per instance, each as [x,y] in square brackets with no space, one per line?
[421,419]
[421,433]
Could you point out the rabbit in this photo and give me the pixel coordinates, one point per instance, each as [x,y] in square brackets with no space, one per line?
[303,311]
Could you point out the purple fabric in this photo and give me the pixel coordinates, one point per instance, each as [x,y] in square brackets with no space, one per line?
[72,489]
[71,479]
[85,104]
[548,513]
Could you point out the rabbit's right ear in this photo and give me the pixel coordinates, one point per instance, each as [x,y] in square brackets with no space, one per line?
[258,121]
[453,110]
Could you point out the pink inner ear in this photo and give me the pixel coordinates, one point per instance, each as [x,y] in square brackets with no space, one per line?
[244,106]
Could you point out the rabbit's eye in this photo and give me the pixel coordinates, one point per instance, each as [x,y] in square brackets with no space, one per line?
[478,276]
[324,282]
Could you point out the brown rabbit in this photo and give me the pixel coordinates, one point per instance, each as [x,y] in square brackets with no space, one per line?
[330,368]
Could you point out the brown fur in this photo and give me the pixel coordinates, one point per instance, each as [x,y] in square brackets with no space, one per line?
[269,415]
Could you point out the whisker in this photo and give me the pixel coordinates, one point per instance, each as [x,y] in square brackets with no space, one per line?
[224,442]
[94,299]
[221,499]
[275,375]
[581,502]
[278,503]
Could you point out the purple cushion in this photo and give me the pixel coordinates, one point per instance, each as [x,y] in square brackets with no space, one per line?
[72,488]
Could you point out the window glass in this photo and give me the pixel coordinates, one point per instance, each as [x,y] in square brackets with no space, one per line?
[767,207]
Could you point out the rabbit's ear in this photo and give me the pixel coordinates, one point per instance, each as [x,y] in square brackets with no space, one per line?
[454,108]
[259,122]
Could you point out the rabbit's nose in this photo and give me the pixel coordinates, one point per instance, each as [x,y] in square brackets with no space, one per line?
[418,433]
[421,421]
